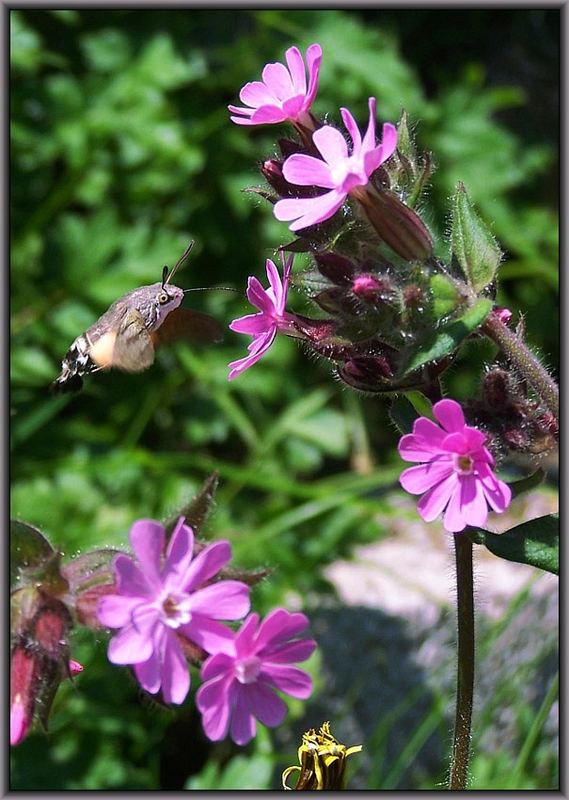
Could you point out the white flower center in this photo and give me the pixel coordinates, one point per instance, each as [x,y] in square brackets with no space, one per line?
[463,464]
[175,610]
[247,669]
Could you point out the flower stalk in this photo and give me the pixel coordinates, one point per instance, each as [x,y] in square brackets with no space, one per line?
[524,360]
[458,778]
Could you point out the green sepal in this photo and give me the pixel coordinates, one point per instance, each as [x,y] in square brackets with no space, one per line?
[447,337]
[29,549]
[535,542]
[197,510]
[473,245]
[445,296]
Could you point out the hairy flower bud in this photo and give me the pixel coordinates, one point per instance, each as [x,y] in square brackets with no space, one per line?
[23,683]
[367,373]
[370,288]
[336,268]
[496,389]
[396,224]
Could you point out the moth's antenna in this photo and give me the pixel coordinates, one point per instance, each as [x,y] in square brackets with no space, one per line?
[179,262]
[212,289]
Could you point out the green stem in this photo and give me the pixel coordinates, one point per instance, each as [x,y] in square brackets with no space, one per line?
[525,361]
[465,673]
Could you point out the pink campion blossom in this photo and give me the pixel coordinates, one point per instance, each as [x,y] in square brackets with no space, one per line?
[159,599]
[239,685]
[341,173]
[283,93]
[272,317]
[456,473]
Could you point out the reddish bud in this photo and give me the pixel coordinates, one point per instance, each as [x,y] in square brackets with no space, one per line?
[413,296]
[496,389]
[367,373]
[23,683]
[338,269]
[396,224]
[74,667]
[503,314]
[86,604]
[368,287]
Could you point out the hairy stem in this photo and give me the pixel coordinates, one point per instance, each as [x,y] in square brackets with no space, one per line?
[525,361]
[465,674]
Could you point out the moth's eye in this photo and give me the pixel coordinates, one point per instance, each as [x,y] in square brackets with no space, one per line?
[163,298]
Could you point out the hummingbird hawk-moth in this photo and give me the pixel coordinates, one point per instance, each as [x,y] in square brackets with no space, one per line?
[126,336]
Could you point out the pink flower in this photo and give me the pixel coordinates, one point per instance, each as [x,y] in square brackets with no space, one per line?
[343,174]
[239,685]
[160,600]
[282,94]
[271,318]
[456,473]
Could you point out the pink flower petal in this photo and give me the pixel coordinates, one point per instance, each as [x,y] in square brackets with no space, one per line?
[497,493]
[214,666]
[297,70]
[353,130]
[209,634]
[131,646]
[222,600]
[369,136]
[424,443]
[278,80]
[148,673]
[433,502]
[277,627]
[278,290]
[417,480]
[268,115]
[178,557]
[388,141]
[175,673]
[290,680]
[252,324]
[291,652]
[258,296]
[309,211]
[256,94]
[474,437]
[331,144]
[115,610]
[207,564]
[213,701]
[449,413]
[265,704]
[243,725]
[130,580]
[303,170]
[313,62]
[245,637]
[264,342]
[147,540]
[456,443]
[473,502]
[454,520]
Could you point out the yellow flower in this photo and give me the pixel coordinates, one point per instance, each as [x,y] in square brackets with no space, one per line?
[322,761]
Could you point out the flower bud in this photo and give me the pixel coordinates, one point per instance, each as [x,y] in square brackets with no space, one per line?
[23,685]
[413,297]
[74,667]
[496,389]
[367,373]
[503,314]
[338,269]
[370,288]
[396,224]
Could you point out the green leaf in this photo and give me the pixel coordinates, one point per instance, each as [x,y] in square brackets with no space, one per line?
[445,294]
[525,484]
[28,549]
[446,338]
[403,414]
[535,542]
[472,243]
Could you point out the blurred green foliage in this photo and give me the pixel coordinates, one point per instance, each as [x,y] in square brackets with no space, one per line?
[122,151]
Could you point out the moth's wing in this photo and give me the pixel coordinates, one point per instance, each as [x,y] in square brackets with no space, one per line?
[184,323]
[133,349]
